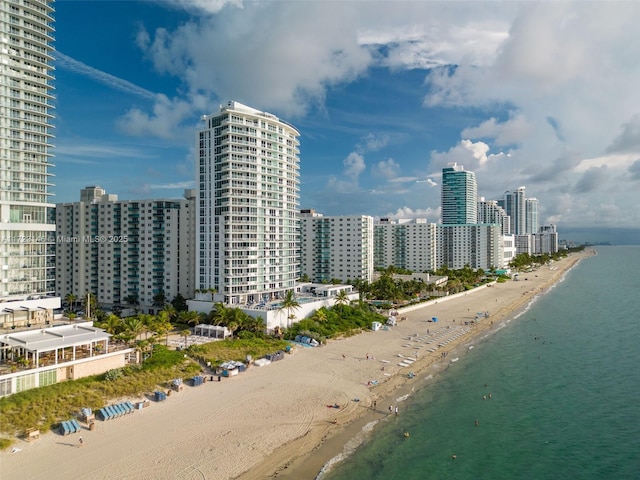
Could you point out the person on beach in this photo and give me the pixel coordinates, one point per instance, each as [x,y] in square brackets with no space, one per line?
[80,442]
[390,408]
[396,410]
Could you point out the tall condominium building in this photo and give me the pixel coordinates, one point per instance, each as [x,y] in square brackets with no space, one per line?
[126,252]
[545,240]
[459,196]
[406,244]
[531,215]
[475,245]
[27,228]
[248,177]
[523,244]
[338,247]
[514,204]
[490,212]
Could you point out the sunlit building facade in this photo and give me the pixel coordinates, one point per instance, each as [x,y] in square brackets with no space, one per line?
[27,227]
[336,247]
[248,177]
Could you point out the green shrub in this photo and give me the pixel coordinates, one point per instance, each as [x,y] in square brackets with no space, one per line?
[6,443]
[113,374]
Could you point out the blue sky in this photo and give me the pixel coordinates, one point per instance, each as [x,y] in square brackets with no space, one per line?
[385,94]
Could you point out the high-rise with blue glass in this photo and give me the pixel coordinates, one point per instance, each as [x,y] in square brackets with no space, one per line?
[459,196]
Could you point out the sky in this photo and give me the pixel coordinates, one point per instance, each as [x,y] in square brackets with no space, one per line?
[384,93]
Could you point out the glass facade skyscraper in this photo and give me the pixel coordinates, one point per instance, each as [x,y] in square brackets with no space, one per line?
[459,196]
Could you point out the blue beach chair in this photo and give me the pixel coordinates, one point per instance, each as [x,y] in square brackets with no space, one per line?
[64,428]
[76,425]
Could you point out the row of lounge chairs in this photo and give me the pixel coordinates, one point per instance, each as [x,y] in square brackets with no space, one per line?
[115,411]
[69,427]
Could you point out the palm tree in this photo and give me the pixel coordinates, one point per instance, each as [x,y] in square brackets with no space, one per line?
[185,333]
[133,327]
[218,314]
[162,325]
[289,303]
[234,319]
[159,299]
[147,322]
[189,317]
[71,300]
[112,324]
[169,312]
[342,298]
[320,315]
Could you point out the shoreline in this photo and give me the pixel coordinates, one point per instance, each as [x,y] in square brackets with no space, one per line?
[333,449]
[274,421]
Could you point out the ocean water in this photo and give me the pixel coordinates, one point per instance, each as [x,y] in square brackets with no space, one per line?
[564,385]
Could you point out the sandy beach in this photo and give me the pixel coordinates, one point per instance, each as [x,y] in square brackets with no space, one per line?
[275,421]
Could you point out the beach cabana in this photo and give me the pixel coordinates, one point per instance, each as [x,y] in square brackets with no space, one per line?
[212,331]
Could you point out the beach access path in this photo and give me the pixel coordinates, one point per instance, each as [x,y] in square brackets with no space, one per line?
[267,421]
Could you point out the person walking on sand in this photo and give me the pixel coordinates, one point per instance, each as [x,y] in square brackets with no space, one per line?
[80,442]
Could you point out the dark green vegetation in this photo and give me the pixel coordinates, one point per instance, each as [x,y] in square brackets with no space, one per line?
[525,261]
[45,407]
[238,349]
[333,322]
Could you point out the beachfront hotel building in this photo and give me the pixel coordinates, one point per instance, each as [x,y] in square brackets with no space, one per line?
[475,245]
[248,181]
[546,240]
[336,247]
[409,244]
[27,273]
[128,253]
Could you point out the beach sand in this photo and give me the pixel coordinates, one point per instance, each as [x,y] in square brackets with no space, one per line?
[274,421]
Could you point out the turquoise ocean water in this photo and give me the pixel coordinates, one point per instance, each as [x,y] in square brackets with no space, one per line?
[564,379]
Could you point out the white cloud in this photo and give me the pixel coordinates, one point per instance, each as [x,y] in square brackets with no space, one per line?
[432,215]
[372,142]
[386,169]
[473,156]
[513,131]
[166,119]
[354,165]
[622,161]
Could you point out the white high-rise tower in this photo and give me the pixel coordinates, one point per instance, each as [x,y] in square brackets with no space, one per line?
[27,225]
[248,239]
